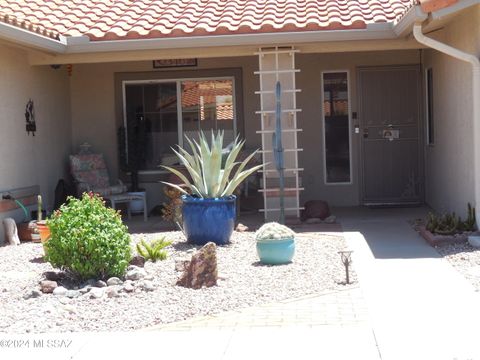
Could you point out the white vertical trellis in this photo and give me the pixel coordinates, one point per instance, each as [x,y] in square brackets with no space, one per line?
[278,64]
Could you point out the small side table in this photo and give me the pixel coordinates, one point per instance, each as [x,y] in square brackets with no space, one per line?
[127,198]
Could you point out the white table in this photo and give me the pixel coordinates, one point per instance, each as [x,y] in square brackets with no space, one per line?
[127,198]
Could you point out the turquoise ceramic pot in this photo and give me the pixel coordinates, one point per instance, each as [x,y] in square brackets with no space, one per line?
[275,252]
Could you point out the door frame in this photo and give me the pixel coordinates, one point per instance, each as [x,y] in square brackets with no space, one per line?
[420,131]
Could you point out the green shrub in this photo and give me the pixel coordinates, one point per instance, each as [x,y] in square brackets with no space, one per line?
[155,250]
[88,239]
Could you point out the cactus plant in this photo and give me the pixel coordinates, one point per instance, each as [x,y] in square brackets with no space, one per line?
[274,231]
[470,223]
[450,223]
[39,208]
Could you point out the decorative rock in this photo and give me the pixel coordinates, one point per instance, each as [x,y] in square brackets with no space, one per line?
[474,240]
[181,264]
[60,291]
[135,273]
[100,284]
[147,285]
[315,209]
[128,287]
[313,221]
[138,260]
[114,281]
[241,228]
[112,292]
[11,232]
[33,294]
[72,294]
[54,275]
[202,269]
[330,220]
[85,289]
[97,292]
[47,286]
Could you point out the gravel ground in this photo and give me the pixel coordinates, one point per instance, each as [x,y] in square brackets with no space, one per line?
[465,258]
[243,282]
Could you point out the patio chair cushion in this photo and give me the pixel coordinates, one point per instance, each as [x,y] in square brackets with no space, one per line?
[90,174]
[110,190]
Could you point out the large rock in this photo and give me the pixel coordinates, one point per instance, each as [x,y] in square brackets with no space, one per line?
[60,291]
[11,232]
[135,273]
[114,281]
[97,292]
[54,275]
[315,209]
[138,260]
[202,268]
[47,286]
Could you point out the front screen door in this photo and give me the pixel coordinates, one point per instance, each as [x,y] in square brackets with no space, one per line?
[389,114]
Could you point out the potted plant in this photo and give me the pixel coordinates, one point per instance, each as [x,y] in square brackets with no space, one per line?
[275,243]
[42,227]
[209,211]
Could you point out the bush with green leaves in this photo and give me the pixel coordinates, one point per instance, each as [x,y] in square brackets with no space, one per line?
[88,239]
[154,250]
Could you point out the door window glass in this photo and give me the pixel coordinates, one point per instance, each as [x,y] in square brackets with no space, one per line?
[336,127]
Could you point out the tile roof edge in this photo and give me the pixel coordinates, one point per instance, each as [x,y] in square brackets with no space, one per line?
[32,39]
[371,32]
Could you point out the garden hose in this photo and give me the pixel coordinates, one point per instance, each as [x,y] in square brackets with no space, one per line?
[25,211]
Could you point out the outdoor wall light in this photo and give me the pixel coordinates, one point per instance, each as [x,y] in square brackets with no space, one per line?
[346,257]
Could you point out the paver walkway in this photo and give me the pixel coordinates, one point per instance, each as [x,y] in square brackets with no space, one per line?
[337,308]
[419,305]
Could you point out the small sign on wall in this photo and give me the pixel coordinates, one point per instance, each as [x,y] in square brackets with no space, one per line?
[168,63]
[390,134]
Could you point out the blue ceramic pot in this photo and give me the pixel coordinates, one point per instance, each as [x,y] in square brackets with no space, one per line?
[206,220]
[275,252]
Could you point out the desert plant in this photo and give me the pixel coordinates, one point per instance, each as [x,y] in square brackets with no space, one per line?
[39,208]
[88,239]
[450,223]
[155,250]
[470,223]
[210,178]
[274,231]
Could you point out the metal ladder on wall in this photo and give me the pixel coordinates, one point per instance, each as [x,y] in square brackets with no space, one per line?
[278,64]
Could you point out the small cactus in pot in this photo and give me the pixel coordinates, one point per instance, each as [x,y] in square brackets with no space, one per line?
[275,243]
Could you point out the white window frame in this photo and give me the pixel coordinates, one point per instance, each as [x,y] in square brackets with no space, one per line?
[325,180]
[178,82]
[428,116]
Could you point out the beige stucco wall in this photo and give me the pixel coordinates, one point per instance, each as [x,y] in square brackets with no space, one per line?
[94,110]
[449,174]
[28,160]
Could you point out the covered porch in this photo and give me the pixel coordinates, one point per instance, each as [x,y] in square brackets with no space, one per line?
[322,119]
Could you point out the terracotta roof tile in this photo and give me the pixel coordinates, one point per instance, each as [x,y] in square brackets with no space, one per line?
[117,19]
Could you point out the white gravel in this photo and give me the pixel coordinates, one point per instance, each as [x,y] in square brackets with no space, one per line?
[244,282]
[465,258]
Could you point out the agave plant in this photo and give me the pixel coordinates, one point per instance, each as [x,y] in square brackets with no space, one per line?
[209,179]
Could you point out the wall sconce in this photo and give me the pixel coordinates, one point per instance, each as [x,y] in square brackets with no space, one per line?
[30,126]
